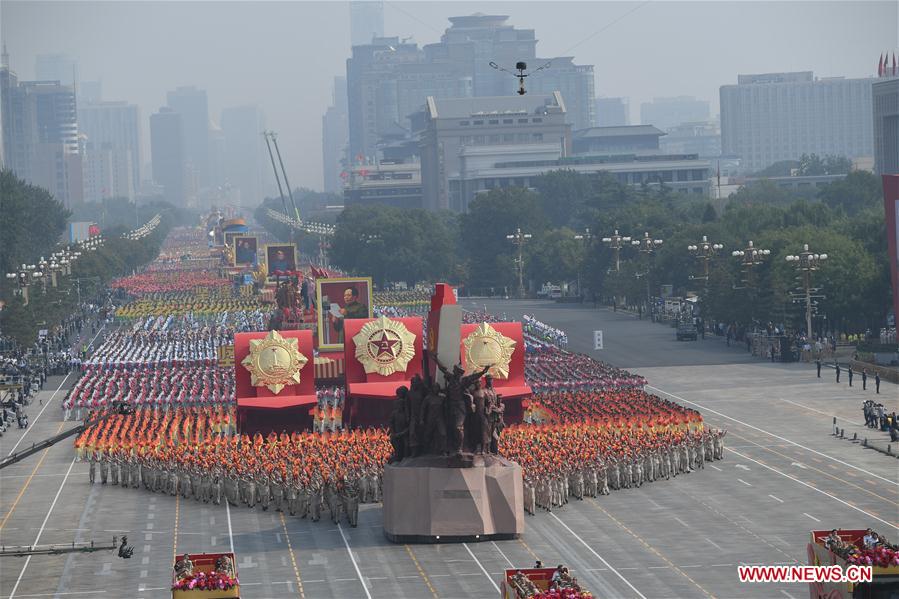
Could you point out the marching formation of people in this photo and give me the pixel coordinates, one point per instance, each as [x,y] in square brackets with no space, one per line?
[145,385]
[165,281]
[133,347]
[543,331]
[555,369]
[613,407]
[187,303]
[591,428]
[197,454]
[415,300]
[587,460]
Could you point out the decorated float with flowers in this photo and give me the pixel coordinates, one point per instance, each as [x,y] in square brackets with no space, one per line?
[850,549]
[205,576]
[541,583]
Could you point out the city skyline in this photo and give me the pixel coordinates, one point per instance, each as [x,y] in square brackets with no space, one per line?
[841,40]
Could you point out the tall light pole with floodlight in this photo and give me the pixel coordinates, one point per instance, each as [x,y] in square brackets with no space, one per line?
[615,243]
[647,246]
[806,262]
[704,251]
[519,239]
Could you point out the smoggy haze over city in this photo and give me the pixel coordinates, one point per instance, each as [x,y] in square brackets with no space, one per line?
[284,56]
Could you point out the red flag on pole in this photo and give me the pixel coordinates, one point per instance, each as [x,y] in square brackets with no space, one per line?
[880,66]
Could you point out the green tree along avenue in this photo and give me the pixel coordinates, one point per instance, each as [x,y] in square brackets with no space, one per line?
[843,219]
[33,224]
[33,221]
[392,244]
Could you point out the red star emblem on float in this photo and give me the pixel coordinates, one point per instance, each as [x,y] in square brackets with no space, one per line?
[384,345]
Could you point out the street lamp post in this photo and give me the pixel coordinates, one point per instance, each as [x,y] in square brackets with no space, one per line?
[750,257]
[616,242]
[704,251]
[647,246]
[805,263]
[587,238]
[519,239]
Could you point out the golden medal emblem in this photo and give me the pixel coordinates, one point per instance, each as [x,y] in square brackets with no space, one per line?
[274,362]
[485,346]
[384,346]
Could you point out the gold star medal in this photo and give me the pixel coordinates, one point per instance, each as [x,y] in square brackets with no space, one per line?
[485,346]
[384,346]
[274,362]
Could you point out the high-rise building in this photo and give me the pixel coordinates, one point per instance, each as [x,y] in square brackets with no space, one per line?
[665,113]
[106,172]
[885,99]
[463,135]
[40,135]
[167,154]
[56,67]
[477,40]
[612,112]
[191,103]
[388,79]
[114,127]
[780,116]
[366,21]
[335,138]
[90,92]
[700,138]
[245,152]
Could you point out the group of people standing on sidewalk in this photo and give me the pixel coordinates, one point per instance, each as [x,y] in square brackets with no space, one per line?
[851,374]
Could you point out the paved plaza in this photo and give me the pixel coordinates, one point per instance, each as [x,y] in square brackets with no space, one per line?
[783,475]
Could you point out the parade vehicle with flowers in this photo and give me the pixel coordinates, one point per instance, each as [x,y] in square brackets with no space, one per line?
[846,548]
[205,576]
[541,583]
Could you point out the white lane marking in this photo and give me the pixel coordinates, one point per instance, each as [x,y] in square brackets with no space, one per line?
[714,544]
[685,525]
[742,466]
[805,484]
[814,410]
[508,561]
[599,557]
[810,516]
[824,455]
[787,594]
[41,530]
[744,482]
[778,499]
[355,565]
[32,423]
[716,467]
[481,566]
[230,534]
[799,465]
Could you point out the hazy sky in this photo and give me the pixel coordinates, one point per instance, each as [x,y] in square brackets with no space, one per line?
[283,55]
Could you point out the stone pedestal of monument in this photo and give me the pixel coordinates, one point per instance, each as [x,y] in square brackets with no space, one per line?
[432,499]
